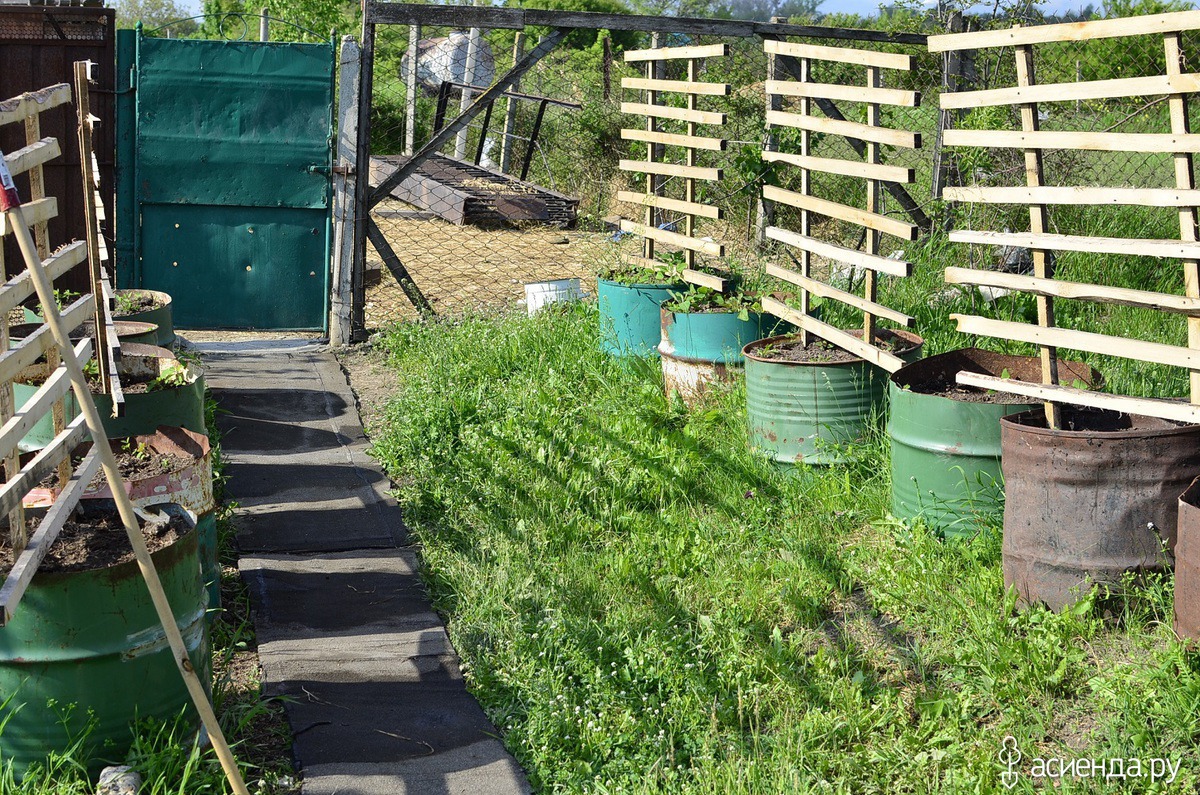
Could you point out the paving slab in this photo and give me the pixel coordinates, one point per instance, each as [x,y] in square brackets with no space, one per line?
[375,694]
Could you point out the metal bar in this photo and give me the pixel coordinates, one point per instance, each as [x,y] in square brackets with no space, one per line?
[435,143]
[393,263]
[533,136]
[443,100]
[532,97]
[487,120]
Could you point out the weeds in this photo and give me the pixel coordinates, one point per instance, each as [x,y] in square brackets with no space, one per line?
[643,605]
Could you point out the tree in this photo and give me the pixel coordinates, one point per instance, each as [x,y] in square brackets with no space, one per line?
[155,14]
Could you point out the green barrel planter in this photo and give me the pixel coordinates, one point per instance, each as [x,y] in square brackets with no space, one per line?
[806,412]
[161,316]
[630,324]
[92,639]
[700,348]
[946,450]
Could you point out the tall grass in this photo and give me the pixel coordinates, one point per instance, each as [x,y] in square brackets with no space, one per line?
[643,605]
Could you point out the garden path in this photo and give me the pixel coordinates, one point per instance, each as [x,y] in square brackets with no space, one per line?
[345,628]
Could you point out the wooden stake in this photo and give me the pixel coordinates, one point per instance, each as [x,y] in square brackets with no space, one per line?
[689,185]
[1037,225]
[805,188]
[1185,179]
[112,473]
[870,284]
[99,326]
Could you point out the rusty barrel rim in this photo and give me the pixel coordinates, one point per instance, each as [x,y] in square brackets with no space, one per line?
[1021,421]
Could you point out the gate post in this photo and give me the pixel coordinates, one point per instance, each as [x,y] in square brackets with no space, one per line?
[345,263]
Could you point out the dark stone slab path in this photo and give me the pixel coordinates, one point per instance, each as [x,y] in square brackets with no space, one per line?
[345,628]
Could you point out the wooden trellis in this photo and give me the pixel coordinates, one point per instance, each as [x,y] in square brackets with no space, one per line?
[27,223]
[871,169]
[656,167]
[1176,84]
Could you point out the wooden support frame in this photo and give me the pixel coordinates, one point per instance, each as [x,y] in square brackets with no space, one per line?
[1177,85]
[654,200]
[53,338]
[871,135]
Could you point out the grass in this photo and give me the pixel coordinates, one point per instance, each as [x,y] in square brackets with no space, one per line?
[167,753]
[643,605]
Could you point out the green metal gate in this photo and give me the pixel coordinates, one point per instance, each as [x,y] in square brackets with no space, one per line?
[223,178]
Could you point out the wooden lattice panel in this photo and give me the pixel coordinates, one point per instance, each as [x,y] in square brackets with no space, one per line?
[871,169]
[1176,85]
[656,166]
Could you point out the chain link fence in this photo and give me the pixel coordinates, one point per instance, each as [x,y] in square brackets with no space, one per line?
[527,192]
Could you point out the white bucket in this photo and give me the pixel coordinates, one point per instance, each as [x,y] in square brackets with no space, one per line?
[541,294]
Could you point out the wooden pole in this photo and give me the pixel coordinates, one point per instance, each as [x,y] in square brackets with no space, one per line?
[1185,179]
[100,329]
[689,185]
[870,285]
[650,217]
[1037,225]
[805,189]
[112,473]
[510,108]
[474,37]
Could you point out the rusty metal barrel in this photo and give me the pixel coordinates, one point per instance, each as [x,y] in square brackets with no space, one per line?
[1091,501]
[1187,564]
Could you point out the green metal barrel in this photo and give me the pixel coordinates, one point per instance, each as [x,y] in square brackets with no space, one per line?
[701,348]
[630,324]
[162,316]
[92,639]
[946,451]
[808,411]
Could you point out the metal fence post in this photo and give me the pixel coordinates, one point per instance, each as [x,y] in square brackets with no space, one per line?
[345,263]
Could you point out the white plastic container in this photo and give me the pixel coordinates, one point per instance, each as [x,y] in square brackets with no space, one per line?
[541,294]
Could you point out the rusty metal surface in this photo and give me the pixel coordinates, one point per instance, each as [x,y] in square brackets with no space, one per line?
[1088,503]
[1187,565]
[691,378]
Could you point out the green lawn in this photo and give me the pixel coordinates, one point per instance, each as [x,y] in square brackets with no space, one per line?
[643,605]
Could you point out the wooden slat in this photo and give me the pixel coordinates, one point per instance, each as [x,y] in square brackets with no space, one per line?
[14,360]
[841,212]
[1079,291]
[676,86]
[668,112]
[1153,352]
[835,91]
[1099,245]
[674,139]
[849,168]
[34,102]
[36,154]
[672,53]
[1141,197]
[834,294]
[43,464]
[675,205]
[703,279]
[649,264]
[35,212]
[848,129]
[14,292]
[885,60]
[834,336]
[1059,139]
[43,538]
[846,256]
[1067,31]
[672,170]
[673,238]
[39,403]
[1150,407]
[1066,92]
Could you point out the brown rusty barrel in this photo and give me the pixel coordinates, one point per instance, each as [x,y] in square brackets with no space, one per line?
[1089,502]
[1187,564]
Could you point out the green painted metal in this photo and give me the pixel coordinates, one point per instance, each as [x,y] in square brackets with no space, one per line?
[630,321]
[162,316]
[807,412]
[709,336]
[92,639]
[181,406]
[230,179]
[946,459]
[210,565]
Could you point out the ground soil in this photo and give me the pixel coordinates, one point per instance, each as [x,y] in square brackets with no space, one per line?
[819,351]
[94,543]
[370,379]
